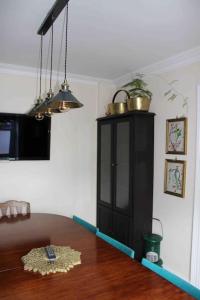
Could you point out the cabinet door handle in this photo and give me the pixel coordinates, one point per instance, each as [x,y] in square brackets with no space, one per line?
[113,164]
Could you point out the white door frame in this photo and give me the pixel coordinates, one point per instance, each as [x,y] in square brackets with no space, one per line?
[195,257]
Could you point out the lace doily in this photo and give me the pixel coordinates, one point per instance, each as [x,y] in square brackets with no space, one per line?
[37,261]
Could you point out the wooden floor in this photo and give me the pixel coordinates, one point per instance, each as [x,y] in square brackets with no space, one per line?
[104,274]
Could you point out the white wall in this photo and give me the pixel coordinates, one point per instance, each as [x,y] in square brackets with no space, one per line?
[175,213]
[105,95]
[66,184]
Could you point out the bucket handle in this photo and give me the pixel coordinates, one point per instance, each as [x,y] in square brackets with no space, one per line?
[158,220]
[117,92]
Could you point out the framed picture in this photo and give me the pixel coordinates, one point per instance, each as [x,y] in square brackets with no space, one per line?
[175,177]
[176,136]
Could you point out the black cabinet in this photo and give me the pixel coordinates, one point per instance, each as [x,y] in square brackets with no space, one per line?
[125,177]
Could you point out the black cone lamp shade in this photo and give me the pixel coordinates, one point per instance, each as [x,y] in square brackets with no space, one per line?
[64,100]
[43,107]
[34,111]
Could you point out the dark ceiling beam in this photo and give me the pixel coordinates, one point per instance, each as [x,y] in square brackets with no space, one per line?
[52,16]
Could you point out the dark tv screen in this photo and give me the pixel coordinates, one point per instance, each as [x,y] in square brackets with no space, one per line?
[5,136]
[24,138]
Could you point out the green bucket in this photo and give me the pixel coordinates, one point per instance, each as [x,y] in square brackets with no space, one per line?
[152,246]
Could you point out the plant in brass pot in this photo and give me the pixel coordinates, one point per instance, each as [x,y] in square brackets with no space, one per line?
[140,95]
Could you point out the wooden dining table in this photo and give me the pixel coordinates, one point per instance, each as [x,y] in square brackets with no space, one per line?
[105,273]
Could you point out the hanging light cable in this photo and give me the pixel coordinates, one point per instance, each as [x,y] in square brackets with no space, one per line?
[44,108]
[34,112]
[61,47]
[64,100]
[41,52]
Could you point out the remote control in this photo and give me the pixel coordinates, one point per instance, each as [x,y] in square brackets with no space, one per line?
[50,253]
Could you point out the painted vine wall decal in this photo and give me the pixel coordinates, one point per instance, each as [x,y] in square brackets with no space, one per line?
[171,93]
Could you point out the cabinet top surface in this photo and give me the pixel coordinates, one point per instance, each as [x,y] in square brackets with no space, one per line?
[128,114]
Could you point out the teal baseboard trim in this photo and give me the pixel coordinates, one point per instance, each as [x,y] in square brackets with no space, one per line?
[85,224]
[179,282]
[123,248]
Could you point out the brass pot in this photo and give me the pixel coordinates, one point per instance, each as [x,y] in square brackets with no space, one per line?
[119,107]
[139,103]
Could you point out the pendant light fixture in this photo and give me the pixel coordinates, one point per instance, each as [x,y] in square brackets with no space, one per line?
[64,100]
[43,108]
[35,112]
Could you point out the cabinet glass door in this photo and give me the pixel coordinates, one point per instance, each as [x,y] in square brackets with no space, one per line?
[122,164]
[105,162]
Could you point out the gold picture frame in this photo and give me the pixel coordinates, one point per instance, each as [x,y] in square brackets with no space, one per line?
[176,136]
[175,177]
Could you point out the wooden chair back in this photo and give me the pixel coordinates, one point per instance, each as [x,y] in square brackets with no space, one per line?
[14,208]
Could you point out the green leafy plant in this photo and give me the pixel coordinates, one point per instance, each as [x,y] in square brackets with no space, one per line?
[138,87]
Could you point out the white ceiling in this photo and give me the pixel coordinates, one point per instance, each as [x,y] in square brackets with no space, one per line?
[107,38]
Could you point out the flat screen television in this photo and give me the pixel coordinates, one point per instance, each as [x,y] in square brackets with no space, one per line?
[24,138]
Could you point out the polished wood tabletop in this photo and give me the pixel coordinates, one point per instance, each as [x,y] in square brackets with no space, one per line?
[104,273]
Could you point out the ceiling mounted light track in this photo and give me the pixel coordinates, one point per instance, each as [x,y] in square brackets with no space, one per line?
[52,16]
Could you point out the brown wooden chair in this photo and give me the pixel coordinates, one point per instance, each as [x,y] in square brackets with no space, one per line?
[14,208]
